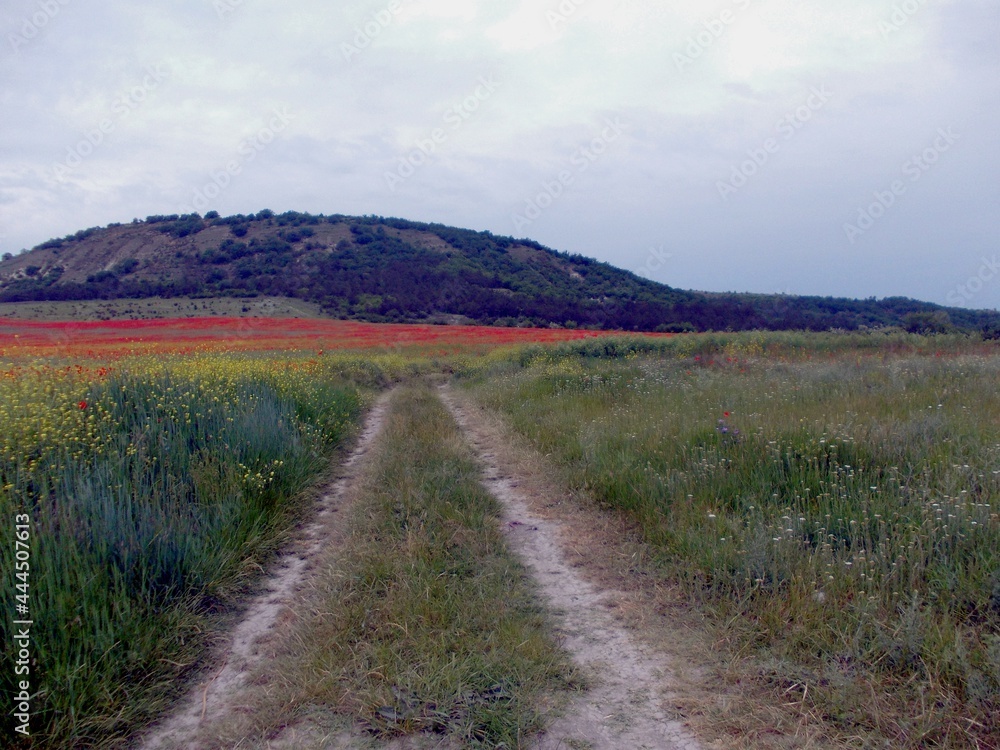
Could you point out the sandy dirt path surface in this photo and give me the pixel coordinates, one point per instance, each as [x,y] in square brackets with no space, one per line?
[217,695]
[625,708]
[631,685]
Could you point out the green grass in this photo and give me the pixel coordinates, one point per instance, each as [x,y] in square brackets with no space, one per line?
[425,622]
[148,529]
[840,524]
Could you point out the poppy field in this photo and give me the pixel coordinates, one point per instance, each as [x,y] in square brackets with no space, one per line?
[182,336]
[828,503]
[161,463]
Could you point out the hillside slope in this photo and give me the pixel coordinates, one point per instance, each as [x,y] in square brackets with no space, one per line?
[378,269]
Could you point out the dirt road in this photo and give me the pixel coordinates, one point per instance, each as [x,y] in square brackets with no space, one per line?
[213,699]
[630,684]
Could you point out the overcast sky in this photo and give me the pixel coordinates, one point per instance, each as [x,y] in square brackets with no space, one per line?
[839,148]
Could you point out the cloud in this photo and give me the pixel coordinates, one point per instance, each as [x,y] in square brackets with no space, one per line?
[700,88]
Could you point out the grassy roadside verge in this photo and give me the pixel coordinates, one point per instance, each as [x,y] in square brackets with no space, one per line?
[836,519]
[155,493]
[424,621]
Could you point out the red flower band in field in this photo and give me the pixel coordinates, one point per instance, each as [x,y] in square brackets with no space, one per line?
[184,335]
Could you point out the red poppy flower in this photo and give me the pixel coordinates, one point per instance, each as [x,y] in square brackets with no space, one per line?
[725,413]
[82,404]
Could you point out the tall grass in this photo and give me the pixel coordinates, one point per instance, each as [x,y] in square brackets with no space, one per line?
[151,509]
[726,347]
[838,514]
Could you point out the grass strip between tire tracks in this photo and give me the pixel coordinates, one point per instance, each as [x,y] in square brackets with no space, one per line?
[425,621]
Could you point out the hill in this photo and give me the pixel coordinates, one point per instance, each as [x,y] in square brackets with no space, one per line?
[393,270]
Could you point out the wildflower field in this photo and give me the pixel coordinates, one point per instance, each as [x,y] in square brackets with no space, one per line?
[827,503]
[154,489]
[116,338]
[152,468]
[831,504]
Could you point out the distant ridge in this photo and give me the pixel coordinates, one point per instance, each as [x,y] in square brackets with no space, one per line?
[393,270]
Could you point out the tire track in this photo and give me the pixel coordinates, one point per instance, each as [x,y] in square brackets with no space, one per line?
[624,707]
[214,699]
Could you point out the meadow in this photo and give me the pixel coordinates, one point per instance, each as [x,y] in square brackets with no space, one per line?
[162,463]
[832,508]
[826,502]
[111,339]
